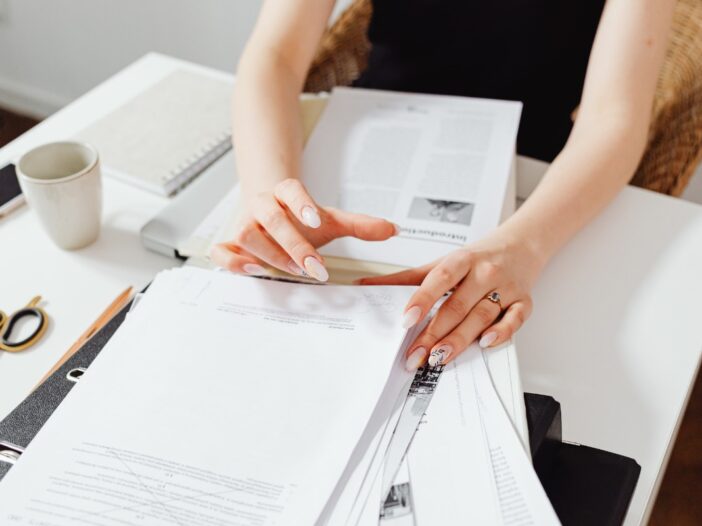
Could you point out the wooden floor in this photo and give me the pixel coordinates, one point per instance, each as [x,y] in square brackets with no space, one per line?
[680,498]
[13,125]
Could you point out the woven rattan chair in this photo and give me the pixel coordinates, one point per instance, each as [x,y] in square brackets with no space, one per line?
[675,138]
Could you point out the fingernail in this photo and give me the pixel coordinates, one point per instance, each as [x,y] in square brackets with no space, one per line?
[315,269]
[487,339]
[294,268]
[411,317]
[254,269]
[416,359]
[398,229]
[310,217]
[440,355]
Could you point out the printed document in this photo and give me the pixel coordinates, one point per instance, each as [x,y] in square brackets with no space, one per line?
[436,165]
[222,400]
[467,463]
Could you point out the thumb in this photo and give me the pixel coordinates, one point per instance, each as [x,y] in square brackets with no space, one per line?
[362,226]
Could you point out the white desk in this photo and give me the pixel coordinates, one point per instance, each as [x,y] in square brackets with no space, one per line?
[616,334]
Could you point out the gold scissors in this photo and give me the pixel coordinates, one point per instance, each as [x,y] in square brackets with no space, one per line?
[8,323]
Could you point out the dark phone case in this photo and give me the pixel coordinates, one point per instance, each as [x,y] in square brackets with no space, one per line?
[9,185]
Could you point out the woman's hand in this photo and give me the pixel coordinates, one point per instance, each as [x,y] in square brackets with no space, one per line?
[283,228]
[495,264]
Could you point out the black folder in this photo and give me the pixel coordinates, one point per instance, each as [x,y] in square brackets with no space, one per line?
[586,486]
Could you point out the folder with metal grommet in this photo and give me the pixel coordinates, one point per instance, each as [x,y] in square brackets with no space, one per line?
[19,428]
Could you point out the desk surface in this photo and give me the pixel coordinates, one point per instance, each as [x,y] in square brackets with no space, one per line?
[615,336]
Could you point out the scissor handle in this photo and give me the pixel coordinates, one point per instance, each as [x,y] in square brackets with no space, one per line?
[30,310]
[34,302]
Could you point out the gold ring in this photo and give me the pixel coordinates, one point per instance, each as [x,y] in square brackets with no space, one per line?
[495,297]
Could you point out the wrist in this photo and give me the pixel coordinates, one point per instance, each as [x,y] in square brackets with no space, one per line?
[531,248]
[252,188]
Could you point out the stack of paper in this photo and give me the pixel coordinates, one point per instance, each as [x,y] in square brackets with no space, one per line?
[229,400]
[222,400]
[466,464]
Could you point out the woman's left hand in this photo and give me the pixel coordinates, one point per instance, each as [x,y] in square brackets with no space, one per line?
[497,264]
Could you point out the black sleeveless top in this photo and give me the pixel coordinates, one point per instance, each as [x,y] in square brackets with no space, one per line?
[534,51]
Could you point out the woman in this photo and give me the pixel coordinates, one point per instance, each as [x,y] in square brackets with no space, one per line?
[553,56]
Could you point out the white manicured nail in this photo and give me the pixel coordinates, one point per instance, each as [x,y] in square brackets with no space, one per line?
[315,269]
[398,229]
[411,317]
[440,355]
[254,269]
[487,339]
[310,217]
[416,359]
[294,268]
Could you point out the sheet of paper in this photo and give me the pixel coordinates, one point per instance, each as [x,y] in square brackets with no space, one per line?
[221,400]
[367,460]
[503,365]
[218,226]
[368,515]
[467,463]
[385,467]
[416,404]
[397,508]
[373,474]
[436,165]
[396,440]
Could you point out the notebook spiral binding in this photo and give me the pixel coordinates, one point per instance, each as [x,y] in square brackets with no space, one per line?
[193,165]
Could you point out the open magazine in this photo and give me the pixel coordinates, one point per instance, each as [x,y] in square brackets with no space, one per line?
[439,166]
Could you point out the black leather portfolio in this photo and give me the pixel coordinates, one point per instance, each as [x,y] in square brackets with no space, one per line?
[586,486]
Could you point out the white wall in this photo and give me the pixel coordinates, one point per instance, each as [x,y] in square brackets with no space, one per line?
[52,51]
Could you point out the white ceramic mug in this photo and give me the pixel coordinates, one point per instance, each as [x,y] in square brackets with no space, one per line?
[62,183]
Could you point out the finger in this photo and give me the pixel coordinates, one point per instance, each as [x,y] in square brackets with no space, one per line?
[274,219]
[458,340]
[412,276]
[228,256]
[454,310]
[362,226]
[256,242]
[292,193]
[438,281]
[514,317]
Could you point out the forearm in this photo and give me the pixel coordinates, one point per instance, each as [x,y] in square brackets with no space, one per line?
[610,131]
[267,130]
[599,159]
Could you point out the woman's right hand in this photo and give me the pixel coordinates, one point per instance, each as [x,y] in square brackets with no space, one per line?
[284,227]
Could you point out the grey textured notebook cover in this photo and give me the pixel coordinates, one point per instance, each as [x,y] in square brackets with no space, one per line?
[25,421]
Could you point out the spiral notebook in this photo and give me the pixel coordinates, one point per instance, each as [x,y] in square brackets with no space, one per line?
[167,135]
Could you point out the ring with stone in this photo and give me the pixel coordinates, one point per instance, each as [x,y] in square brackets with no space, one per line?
[495,297]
